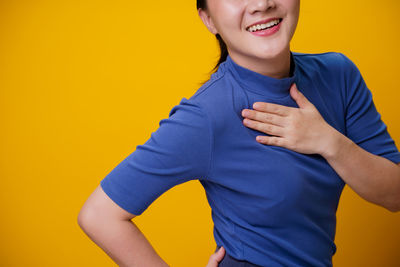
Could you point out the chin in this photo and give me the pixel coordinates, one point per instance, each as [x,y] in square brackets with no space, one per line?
[269,54]
[272,51]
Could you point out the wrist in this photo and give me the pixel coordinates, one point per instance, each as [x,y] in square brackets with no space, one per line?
[335,144]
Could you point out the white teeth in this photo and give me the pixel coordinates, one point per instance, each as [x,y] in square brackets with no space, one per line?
[263,26]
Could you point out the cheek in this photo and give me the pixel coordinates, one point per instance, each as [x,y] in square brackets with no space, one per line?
[294,8]
[291,3]
[230,14]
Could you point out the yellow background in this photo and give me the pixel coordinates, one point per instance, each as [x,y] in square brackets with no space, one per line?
[83,82]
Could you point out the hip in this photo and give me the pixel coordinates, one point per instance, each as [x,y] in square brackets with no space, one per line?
[229,261]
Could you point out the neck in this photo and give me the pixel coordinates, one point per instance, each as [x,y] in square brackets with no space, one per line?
[277,67]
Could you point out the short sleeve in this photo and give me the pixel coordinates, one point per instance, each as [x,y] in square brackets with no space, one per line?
[364,125]
[178,151]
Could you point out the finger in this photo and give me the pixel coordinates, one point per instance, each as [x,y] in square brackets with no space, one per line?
[264,117]
[216,257]
[271,140]
[272,108]
[264,127]
[220,254]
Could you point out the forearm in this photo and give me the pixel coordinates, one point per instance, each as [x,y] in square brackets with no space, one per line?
[374,178]
[123,242]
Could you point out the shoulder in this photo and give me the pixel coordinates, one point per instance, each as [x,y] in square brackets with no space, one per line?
[336,67]
[204,102]
[216,99]
[326,60]
[212,87]
[214,92]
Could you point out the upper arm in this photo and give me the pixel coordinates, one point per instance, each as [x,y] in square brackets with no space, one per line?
[177,152]
[99,204]
[364,124]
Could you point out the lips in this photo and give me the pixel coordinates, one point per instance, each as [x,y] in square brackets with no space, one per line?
[262,22]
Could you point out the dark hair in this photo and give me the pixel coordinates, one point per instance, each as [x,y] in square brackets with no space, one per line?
[223,50]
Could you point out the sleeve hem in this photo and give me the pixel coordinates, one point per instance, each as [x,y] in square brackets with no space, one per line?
[114,197]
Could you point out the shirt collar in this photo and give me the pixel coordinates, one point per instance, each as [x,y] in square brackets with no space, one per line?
[262,84]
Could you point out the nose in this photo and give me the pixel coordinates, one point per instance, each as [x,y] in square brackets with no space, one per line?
[260,5]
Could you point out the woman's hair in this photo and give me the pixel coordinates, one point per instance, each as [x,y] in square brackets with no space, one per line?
[223,50]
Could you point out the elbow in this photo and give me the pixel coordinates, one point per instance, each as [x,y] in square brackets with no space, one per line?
[87,223]
[81,219]
[394,206]
[393,201]
[84,217]
[393,209]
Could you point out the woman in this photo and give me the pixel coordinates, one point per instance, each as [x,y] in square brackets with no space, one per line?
[273,200]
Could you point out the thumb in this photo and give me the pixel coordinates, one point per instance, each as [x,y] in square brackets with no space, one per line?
[298,96]
[219,255]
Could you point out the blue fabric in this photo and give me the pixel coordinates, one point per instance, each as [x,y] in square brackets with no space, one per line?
[229,261]
[271,206]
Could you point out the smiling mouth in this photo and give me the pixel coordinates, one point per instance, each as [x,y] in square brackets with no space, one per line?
[260,27]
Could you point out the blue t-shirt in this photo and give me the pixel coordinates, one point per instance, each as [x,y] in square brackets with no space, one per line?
[270,205]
